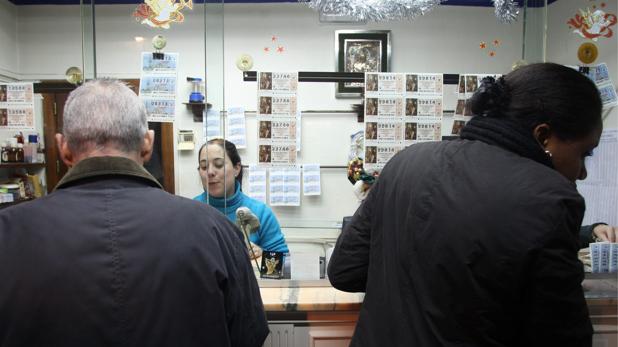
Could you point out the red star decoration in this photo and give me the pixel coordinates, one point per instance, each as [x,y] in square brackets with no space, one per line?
[482,45]
[492,54]
[274,38]
[602,4]
[280,49]
[496,42]
[266,49]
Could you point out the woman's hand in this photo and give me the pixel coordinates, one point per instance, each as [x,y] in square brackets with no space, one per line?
[256,253]
[604,232]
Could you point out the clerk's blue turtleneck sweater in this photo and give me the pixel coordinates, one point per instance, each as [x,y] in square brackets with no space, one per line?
[269,236]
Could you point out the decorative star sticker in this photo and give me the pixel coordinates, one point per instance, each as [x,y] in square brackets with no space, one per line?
[274,38]
[496,42]
[482,45]
[280,49]
[492,54]
[266,49]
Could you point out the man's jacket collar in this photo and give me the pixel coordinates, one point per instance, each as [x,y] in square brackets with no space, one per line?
[106,166]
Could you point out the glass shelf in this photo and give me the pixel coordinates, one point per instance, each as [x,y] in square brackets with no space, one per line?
[18,165]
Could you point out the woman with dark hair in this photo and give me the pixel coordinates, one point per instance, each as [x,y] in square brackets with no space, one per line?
[474,241]
[221,173]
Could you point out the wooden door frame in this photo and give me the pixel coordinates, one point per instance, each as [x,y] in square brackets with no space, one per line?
[50,88]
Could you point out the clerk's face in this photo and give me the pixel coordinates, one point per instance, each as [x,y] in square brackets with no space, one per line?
[217,172]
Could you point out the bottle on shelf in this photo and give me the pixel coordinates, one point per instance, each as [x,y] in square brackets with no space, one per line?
[19,153]
[4,152]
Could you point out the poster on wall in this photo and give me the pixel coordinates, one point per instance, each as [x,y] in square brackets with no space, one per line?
[212,124]
[278,118]
[17,106]
[235,129]
[400,110]
[311,179]
[157,86]
[257,183]
[284,183]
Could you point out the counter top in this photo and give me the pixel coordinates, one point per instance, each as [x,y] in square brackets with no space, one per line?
[307,298]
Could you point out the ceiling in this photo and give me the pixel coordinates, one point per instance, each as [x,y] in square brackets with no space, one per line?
[531,3]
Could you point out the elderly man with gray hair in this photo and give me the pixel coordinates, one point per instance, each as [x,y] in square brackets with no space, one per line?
[110,259]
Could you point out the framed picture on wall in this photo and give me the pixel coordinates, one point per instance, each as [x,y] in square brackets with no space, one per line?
[360,51]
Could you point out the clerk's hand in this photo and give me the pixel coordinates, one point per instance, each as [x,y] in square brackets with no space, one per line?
[606,232]
[257,251]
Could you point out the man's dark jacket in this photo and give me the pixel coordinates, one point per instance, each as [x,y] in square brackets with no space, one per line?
[110,259]
[461,243]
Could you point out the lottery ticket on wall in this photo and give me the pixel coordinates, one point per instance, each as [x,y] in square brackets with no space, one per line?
[428,84]
[284,183]
[467,86]
[384,106]
[428,107]
[377,156]
[17,106]
[277,105]
[608,95]
[278,82]
[395,106]
[383,132]
[423,107]
[277,129]
[384,83]
[169,63]
[599,74]
[469,83]
[157,88]
[160,108]
[421,132]
[278,118]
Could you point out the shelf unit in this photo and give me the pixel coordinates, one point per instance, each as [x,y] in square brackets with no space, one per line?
[12,166]
[22,165]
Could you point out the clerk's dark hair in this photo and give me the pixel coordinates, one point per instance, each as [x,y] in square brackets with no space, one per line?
[541,93]
[230,151]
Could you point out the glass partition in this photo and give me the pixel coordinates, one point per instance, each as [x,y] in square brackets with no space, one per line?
[228,45]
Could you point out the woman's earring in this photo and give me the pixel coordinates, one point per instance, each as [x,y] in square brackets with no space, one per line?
[548,153]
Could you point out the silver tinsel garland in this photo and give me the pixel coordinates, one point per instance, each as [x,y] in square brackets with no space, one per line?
[506,10]
[393,10]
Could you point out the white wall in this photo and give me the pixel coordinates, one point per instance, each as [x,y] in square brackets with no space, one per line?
[562,43]
[445,40]
[8,41]
[49,41]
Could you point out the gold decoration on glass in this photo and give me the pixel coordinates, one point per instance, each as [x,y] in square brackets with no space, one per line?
[587,53]
[74,75]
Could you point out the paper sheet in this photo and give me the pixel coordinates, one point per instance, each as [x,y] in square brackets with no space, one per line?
[600,188]
[157,87]
[16,106]
[235,129]
[305,266]
[311,179]
[257,183]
